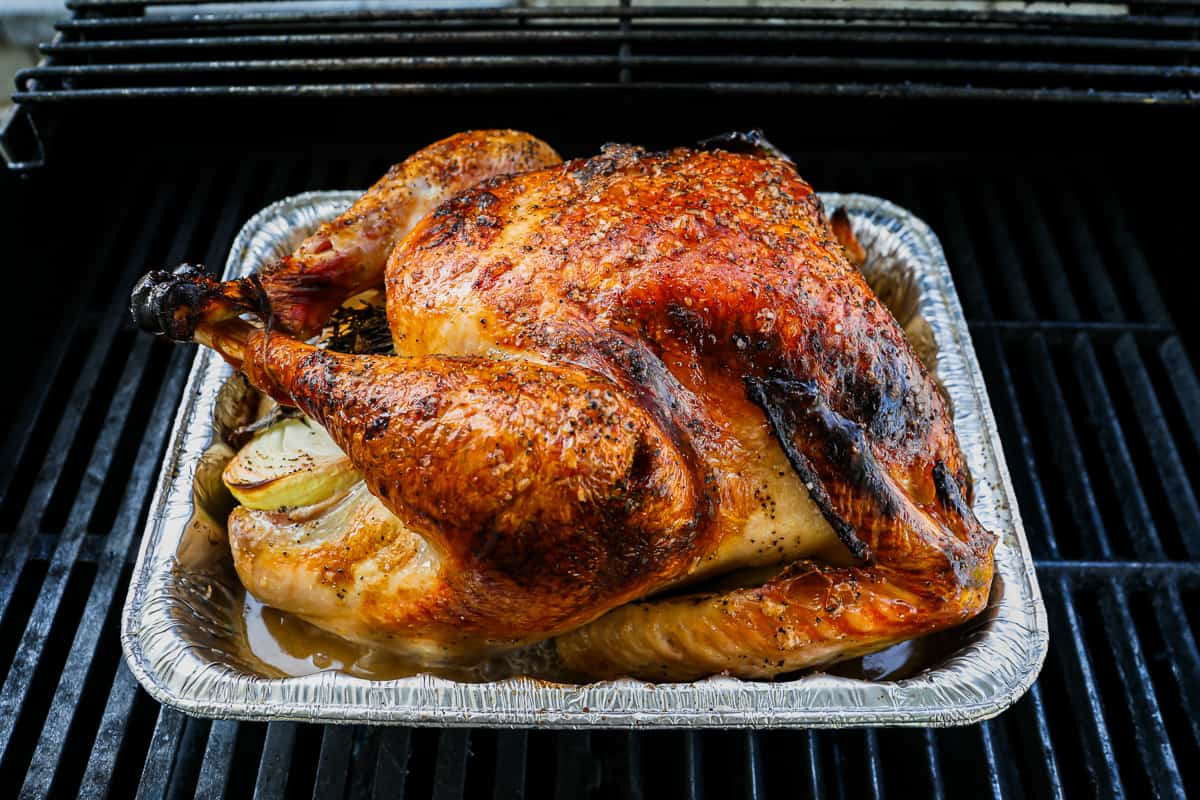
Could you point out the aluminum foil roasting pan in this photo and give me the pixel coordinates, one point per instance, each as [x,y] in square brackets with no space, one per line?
[183,640]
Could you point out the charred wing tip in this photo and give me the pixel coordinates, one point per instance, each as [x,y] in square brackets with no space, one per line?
[751,141]
[166,303]
[785,401]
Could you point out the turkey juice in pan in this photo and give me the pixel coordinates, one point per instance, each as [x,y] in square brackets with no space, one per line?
[186,630]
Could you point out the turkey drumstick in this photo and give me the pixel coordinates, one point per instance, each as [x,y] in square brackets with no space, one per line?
[344,256]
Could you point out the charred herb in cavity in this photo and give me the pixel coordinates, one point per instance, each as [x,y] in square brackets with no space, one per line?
[361,330]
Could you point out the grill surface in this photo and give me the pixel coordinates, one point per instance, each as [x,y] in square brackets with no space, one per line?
[1097,400]
[1062,264]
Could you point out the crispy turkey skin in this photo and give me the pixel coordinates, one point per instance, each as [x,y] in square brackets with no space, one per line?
[614,376]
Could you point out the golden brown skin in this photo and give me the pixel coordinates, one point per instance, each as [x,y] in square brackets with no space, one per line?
[693,314]
[547,490]
[696,281]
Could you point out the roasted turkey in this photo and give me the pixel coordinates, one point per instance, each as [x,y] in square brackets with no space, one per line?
[615,377]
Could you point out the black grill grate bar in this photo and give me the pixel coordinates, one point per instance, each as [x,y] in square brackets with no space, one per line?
[1181,650]
[1135,508]
[275,762]
[874,767]
[577,773]
[630,782]
[512,751]
[98,775]
[1085,693]
[1184,383]
[937,784]
[754,779]
[693,761]
[213,780]
[185,769]
[694,14]
[1044,248]
[987,740]
[1015,284]
[1150,732]
[106,588]
[124,29]
[1096,741]
[1114,221]
[1167,460]
[1135,574]
[1085,252]
[164,744]
[902,90]
[527,36]
[230,218]
[450,769]
[91,549]
[391,763]
[621,10]
[334,762]
[194,70]
[1046,749]
[1155,29]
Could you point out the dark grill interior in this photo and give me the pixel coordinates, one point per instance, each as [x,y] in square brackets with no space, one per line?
[1090,380]
[1064,262]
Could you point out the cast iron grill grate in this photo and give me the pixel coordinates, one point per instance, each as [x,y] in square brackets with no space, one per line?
[143,49]
[1099,408]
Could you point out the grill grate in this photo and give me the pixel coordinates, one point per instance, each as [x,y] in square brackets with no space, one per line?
[1096,397]
[1044,67]
[154,51]
[162,49]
